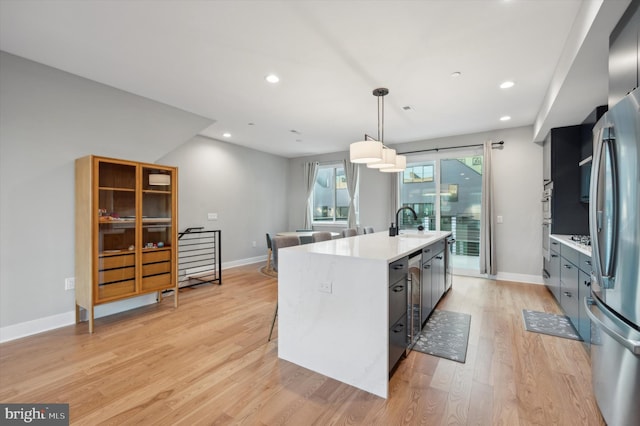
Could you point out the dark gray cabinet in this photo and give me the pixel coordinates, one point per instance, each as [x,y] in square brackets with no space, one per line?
[432,277]
[575,285]
[398,271]
[425,289]
[563,148]
[569,276]
[584,290]
[553,283]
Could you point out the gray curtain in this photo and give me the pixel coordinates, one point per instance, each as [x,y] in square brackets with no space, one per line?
[352,173]
[487,225]
[310,174]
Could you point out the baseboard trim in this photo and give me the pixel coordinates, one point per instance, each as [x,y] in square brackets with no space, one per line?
[39,325]
[520,278]
[28,328]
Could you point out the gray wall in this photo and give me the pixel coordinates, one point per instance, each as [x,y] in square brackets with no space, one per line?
[48,118]
[518,183]
[246,188]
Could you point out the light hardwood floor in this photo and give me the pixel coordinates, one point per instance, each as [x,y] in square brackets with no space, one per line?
[209,362]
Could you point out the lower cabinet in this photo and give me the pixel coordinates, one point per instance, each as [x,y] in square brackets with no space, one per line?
[398,271]
[554,270]
[432,277]
[575,284]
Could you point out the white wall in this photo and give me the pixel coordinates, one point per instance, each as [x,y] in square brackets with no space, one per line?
[246,188]
[518,184]
[48,118]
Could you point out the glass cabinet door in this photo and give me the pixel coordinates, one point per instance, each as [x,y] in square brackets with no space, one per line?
[116,210]
[157,210]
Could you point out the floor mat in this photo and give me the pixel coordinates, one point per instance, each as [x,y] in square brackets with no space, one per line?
[446,335]
[551,324]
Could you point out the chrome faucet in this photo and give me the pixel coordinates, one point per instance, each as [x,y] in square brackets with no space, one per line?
[396,231]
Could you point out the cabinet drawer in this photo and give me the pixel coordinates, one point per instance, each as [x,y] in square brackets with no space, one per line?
[585,263]
[397,301]
[123,288]
[111,262]
[156,256]
[156,282]
[398,270]
[156,268]
[113,275]
[397,340]
[570,254]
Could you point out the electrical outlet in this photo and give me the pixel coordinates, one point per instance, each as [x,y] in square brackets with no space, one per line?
[499,219]
[254,244]
[212,216]
[69,283]
[325,287]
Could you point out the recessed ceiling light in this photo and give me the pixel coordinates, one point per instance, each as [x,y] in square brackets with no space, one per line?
[505,118]
[226,135]
[456,74]
[272,78]
[507,84]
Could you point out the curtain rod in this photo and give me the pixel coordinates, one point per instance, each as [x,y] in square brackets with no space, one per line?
[493,145]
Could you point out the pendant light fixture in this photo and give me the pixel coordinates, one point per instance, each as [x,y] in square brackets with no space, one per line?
[373,152]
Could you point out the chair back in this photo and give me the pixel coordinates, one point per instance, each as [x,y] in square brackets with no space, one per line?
[281,242]
[321,236]
[369,230]
[351,232]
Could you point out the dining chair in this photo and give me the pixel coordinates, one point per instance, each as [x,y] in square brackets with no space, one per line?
[269,252]
[368,230]
[277,243]
[351,232]
[321,236]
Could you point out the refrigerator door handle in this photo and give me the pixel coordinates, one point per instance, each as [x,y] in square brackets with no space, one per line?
[604,209]
[630,344]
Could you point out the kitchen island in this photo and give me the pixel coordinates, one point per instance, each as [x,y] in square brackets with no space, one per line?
[333,305]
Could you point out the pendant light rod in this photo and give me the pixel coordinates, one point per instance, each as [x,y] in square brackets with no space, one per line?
[380,93]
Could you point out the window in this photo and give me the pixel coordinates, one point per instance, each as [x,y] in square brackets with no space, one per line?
[330,195]
[445,191]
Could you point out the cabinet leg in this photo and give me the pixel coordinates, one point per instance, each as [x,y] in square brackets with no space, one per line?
[90,313]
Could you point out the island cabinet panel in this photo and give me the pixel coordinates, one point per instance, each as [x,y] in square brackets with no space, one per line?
[126,235]
[398,331]
[342,306]
[432,277]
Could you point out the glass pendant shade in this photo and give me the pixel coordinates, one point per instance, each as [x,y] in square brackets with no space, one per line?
[399,166]
[365,152]
[388,159]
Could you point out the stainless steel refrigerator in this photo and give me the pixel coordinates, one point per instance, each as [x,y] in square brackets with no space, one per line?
[614,221]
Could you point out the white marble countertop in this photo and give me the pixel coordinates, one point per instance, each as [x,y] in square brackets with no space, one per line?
[379,245]
[567,241]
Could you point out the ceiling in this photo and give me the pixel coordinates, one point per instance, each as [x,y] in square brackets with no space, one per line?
[211,58]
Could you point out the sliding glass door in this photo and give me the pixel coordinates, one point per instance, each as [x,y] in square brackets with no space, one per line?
[445,190]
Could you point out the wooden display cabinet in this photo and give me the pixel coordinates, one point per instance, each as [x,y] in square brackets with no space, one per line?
[126,231]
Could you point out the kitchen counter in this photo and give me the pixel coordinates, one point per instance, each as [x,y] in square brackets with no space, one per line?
[333,305]
[566,240]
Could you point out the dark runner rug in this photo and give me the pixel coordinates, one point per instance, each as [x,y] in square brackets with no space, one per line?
[551,324]
[445,335]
